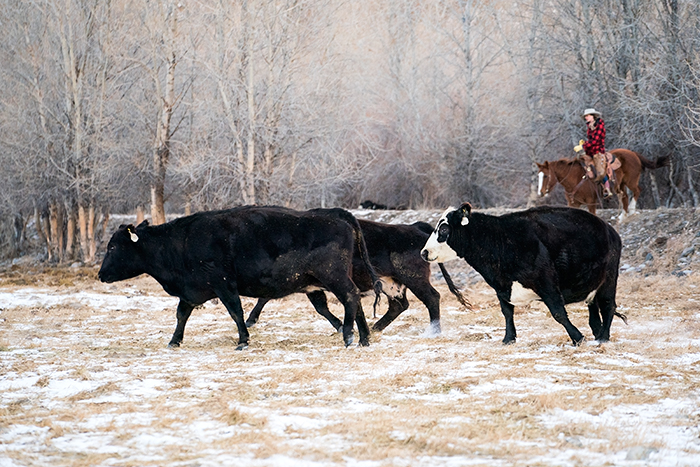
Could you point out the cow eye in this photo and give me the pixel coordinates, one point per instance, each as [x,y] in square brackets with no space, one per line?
[443,232]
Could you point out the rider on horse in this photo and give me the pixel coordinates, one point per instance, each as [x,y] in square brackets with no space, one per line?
[595,146]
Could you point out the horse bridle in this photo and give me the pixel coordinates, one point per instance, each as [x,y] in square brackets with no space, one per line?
[556,177]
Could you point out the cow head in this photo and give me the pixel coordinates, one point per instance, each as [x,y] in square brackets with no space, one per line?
[545,179]
[437,248]
[123,259]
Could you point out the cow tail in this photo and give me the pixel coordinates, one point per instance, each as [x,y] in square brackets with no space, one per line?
[453,288]
[362,247]
[622,316]
[364,254]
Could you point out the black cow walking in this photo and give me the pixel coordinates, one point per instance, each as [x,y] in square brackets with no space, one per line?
[564,255]
[394,251]
[264,252]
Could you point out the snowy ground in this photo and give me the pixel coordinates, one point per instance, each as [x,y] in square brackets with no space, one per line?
[86,379]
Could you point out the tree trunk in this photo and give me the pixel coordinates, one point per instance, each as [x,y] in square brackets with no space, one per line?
[106,234]
[70,231]
[655,190]
[140,214]
[55,230]
[161,150]
[82,228]
[674,187]
[92,244]
[45,227]
[249,193]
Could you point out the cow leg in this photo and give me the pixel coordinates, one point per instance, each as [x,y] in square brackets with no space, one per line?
[232,302]
[606,307]
[362,327]
[255,313]
[184,310]
[351,302]
[348,294]
[396,306]
[605,301]
[508,310]
[318,300]
[594,320]
[555,303]
[430,297]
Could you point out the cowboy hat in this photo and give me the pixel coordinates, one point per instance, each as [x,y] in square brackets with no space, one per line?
[593,112]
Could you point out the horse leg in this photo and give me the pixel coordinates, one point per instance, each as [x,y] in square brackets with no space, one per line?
[635,196]
[624,201]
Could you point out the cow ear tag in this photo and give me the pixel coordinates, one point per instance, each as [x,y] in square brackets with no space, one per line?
[466,210]
[133,236]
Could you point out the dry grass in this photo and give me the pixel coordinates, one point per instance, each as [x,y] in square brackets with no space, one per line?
[84,385]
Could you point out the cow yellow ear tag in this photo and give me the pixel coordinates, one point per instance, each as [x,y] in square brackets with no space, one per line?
[133,236]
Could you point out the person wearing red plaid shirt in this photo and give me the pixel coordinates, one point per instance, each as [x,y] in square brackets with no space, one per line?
[596,141]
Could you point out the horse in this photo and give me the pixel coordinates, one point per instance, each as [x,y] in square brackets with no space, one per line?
[580,190]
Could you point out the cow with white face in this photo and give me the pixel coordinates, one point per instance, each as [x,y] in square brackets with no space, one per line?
[436,249]
[564,255]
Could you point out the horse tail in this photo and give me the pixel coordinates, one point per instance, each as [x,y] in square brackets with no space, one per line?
[661,161]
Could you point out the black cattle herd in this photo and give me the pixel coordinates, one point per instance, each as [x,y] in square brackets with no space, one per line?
[564,255]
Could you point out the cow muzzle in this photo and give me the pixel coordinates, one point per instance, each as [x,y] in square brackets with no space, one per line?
[424,254]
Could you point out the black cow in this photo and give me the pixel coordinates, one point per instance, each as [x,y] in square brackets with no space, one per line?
[253,251]
[369,204]
[564,255]
[394,251]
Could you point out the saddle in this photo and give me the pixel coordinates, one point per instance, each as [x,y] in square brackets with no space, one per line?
[597,166]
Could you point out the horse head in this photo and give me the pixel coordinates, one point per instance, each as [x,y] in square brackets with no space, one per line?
[545,179]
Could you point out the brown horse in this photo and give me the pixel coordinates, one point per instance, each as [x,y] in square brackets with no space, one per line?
[580,191]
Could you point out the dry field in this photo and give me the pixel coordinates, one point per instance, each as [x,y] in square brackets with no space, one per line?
[86,379]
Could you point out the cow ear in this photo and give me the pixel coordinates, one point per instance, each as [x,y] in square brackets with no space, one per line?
[143,223]
[465,211]
[132,234]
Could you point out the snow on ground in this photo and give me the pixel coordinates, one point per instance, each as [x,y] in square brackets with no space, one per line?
[86,379]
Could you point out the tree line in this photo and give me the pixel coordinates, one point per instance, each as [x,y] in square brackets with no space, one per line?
[163,106]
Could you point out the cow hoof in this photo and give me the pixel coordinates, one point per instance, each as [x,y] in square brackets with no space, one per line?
[508,341]
[348,342]
[364,342]
[242,346]
[249,325]
[173,345]
[578,342]
[433,330]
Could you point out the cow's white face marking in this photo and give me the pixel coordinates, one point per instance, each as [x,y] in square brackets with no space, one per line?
[436,248]
[540,183]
